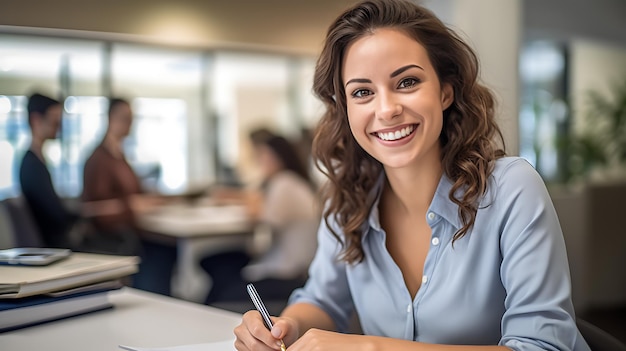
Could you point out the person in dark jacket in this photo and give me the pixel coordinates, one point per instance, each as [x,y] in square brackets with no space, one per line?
[54,220]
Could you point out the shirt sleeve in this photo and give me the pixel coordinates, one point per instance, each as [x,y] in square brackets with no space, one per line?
[327,286]
[539,314]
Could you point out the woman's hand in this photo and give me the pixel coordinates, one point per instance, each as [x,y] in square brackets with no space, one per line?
[252,334]
[322,340]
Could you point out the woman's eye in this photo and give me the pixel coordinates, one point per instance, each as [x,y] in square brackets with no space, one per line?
[408,83]
[361,93]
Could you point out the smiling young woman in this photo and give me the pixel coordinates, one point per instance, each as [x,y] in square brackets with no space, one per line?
[401,95]
[433,237]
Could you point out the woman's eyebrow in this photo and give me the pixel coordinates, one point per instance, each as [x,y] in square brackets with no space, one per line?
[358,80]
[402,69]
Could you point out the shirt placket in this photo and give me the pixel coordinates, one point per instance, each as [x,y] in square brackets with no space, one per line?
[402,298]
[429,266]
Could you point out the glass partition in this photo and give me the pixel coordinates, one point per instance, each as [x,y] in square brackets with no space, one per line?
[55,67]
[193,108]
[165,87]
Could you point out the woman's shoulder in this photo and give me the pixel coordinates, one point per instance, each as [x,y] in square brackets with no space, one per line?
[513,166]
[512,175]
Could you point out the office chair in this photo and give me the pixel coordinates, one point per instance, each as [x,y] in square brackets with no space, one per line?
[7,239]
[25,231]
[598,339]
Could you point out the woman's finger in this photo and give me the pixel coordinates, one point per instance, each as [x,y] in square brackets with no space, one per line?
[253,333]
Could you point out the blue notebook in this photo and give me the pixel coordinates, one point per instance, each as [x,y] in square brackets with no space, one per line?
[35,310]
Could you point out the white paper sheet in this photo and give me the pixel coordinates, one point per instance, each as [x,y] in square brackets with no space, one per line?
[211,346]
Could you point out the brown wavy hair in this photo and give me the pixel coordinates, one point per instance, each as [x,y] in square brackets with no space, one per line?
[469,138]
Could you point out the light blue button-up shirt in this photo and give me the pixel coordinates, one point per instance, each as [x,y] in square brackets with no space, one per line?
[505,282]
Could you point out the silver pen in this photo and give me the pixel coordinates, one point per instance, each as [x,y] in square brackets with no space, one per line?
[260,306]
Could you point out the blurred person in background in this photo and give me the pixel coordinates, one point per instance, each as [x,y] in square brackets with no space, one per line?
[109,177]
[287,204]
[53,219]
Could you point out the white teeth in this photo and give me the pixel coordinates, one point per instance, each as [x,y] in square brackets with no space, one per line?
[398,134]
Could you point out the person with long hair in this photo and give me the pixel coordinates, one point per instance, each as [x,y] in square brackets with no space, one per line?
[286,204]
[430,234]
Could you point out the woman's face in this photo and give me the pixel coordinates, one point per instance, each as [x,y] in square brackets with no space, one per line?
[268,161]
[395,102]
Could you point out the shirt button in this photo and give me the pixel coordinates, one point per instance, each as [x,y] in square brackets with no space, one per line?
[431,215]
[435,241]
[409,308]
[424,279]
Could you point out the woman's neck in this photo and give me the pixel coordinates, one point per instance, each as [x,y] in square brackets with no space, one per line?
[413,190]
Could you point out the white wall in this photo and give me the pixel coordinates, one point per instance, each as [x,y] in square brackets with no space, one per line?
[493,28]
[594,66]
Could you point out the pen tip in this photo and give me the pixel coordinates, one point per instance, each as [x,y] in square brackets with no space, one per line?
[282,346]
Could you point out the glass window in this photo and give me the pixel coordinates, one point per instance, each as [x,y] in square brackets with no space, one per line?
[14,141]
[253,92]
[162,165]
[544,112]
[193,108]
[54,67]
[168,136]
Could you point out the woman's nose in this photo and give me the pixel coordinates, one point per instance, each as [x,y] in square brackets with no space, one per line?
[388,106]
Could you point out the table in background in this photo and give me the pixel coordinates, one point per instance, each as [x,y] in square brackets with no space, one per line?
[138,318]
[198,230]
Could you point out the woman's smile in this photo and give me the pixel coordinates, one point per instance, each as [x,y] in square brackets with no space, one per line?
[397,134]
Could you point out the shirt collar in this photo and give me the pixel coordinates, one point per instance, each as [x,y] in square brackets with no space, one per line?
[441,204]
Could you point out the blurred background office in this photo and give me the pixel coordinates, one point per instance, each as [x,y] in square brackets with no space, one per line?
[200,75]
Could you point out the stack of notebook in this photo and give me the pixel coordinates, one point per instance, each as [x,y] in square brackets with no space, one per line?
[76,284]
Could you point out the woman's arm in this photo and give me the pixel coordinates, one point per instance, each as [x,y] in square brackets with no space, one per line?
[308,316]
[314,330]
[315,339]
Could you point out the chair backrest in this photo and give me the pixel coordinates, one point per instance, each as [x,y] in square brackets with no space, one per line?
[598,339]
[7,239]
[25,231]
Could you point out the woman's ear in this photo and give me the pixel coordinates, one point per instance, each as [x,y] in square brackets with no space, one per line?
[447,95]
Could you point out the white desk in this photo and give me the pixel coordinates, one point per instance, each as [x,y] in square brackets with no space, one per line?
[198,230]
[138,319]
